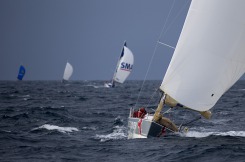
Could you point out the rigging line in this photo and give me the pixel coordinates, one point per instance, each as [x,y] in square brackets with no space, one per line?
[166,45]
[166,21]
[154,52]
[174,19]
[151,98]
[189,122]
[183,120]
[167,111]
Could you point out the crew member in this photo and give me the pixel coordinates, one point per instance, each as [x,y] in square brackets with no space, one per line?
[140,113]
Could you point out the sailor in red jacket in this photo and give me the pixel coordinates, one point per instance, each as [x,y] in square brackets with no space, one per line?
[140,113]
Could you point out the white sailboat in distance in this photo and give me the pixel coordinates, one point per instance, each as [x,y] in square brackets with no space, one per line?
[124,67]
[68,72]
[208,59]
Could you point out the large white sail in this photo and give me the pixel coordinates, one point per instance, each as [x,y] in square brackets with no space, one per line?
[68,71]
[210,54]
[124,66]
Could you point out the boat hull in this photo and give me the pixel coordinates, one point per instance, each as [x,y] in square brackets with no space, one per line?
[145,128]
[109,85]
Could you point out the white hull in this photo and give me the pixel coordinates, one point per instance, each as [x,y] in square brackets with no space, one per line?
[144,128]
[108,85]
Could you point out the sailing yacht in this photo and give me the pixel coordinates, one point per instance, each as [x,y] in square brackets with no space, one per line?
[208,59]
[68,72]
[124,67]
[21,73]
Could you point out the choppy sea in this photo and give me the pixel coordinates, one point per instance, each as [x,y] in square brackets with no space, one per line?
[84,121]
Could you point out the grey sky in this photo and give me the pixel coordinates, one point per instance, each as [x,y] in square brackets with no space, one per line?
[43,34]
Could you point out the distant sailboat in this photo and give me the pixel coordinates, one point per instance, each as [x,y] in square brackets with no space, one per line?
[68,72]
[209,58]
[21,73]
[123,68]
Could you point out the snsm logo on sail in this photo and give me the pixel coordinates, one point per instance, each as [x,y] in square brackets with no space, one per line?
[126,66]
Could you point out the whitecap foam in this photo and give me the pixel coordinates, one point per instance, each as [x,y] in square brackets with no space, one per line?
[100,87]
[25,97]
[60,129]
[232,133]
[206,134]
[7,131]
[97,86]
[241,89]
[118,133]
[89,128]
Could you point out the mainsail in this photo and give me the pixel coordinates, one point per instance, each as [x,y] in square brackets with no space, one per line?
[68,71]
[124,65]
[210,54]
[21,73]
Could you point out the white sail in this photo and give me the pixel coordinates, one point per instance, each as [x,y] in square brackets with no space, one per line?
[68,71]
[124,66]
[210,54]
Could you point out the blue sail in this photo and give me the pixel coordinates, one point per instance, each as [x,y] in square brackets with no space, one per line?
[22,72]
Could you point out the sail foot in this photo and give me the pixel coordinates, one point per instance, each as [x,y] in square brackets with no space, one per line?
[171,102]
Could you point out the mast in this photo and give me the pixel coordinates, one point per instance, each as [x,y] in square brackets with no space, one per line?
[157,113]
[115,72]
[158,117]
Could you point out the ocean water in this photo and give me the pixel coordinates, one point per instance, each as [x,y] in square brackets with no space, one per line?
[84,121]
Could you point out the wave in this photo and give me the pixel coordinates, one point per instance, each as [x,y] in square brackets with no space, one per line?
[16,116]
[118,133]
[54,127]
[89,128]
[241,89]
[25,96]
[82,98]
[95,86]
[100,86]
[206,134]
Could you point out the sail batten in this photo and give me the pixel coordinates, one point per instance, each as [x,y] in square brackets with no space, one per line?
[209,56]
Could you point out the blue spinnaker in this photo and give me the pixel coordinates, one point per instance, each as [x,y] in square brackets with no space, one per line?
[22,72]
